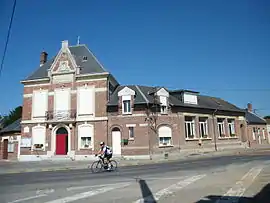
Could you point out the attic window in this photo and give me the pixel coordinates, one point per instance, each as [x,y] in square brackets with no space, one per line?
[85,58]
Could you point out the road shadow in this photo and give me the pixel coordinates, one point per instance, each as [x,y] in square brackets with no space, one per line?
[262,197]
[147,194]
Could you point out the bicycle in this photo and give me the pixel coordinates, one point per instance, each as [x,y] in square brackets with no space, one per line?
[99,166]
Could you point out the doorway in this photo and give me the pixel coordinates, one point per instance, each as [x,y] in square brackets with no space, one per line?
[116,141]
[5,149]
[61,141]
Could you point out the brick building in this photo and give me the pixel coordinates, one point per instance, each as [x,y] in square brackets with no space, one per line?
[64,105]
[71,103]
[257,132]
[10,137]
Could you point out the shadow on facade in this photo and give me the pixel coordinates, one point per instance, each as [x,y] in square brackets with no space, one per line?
[262,197]
[147,194]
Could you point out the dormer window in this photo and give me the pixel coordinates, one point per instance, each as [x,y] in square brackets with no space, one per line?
[126,95]
[126,106]
[163,104]
[85,58]
[163,99]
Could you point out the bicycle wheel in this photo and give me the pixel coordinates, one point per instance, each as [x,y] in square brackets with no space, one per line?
[114,164]
[96,166]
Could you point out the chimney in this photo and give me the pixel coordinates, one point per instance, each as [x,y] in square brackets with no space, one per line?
[65,44]
[249,107]
[43,58]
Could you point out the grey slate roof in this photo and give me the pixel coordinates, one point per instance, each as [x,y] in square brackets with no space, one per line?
[13,127]
[91,65]
[143,96]
[252,118]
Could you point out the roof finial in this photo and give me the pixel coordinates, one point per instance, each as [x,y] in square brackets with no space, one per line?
[78,40]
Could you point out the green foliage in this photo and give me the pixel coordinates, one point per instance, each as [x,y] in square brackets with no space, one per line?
[13,115]
[267,117]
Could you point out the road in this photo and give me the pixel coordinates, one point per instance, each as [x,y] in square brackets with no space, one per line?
[209,180]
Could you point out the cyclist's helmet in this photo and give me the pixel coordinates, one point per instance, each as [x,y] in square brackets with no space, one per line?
[102,143]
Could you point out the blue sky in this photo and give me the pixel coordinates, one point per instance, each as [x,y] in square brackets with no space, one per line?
[220,48]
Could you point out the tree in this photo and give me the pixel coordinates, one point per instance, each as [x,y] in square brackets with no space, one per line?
[13,115]
[267,117]
[151,118]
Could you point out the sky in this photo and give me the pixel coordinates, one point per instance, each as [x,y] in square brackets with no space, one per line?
[219,48]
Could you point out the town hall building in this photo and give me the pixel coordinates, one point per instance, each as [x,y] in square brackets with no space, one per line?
[71,103]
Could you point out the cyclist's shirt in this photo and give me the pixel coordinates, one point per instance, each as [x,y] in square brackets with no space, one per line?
[107,150]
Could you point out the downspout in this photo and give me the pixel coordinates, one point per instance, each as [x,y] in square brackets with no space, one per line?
[214,128]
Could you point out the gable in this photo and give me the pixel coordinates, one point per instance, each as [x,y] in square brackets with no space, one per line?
[163,92]
[126,92]
[64,62]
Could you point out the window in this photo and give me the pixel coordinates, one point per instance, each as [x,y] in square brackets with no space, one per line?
[39,137]
[85,132]
[126,106]
[11,147]
[163,105]
[203,127]
[131,133]
[221,130]
[190,127]
[39,103]
[165,136]
[254,133]
[231,127]
[86,101]
[263,134]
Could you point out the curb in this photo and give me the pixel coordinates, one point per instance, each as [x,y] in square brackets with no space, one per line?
[138,163]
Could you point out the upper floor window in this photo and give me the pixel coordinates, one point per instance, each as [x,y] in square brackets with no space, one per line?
[231,127]
[203,127]
[126,95]
[126,106]
[163,105]
[190,127]
[254,133]
[221,130]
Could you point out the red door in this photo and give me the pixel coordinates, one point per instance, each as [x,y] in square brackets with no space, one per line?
[61,144]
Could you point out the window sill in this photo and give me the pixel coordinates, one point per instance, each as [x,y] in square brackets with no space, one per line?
[130,139]
[126,114]
[165,146]
[226,138]
[206,138]
[85,148]
[192,139]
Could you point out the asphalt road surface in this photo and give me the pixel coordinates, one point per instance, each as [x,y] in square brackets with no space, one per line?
[242,179]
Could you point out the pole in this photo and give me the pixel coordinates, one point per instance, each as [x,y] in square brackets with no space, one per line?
[214,126]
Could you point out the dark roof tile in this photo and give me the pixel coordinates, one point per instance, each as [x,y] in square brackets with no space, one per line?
[13,127]
[253,118]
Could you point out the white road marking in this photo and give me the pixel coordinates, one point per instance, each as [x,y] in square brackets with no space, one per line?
[171,189]
[236,192]
[88,186]
[28,198]
[46,191]
[88,194]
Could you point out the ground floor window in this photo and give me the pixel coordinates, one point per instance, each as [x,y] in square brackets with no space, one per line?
[85,135]
[165,136]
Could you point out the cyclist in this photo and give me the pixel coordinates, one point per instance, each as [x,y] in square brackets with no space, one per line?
[106,153]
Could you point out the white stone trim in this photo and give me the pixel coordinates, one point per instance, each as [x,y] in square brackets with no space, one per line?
[130,125]
[38,85]
[91,80]
[101,89]
[53,138]
[35,80]
[126,92]
[194,114]
[129,115]
[143,124]
[78,119]
[92,119]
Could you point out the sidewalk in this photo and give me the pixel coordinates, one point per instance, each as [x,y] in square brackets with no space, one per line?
[9,167]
